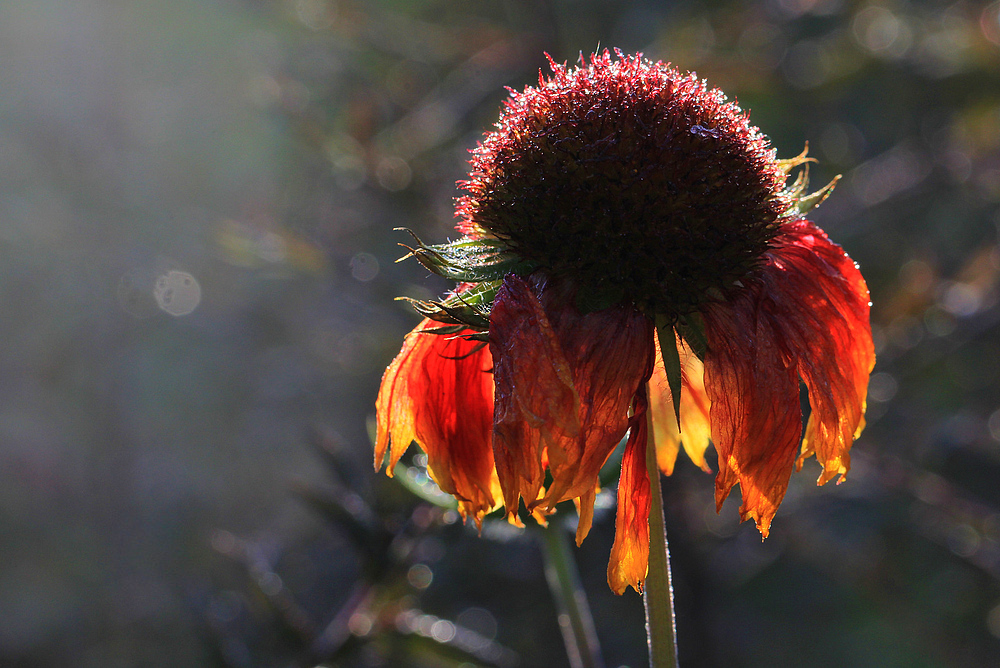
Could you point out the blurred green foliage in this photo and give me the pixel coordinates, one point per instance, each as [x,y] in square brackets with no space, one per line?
[196,205]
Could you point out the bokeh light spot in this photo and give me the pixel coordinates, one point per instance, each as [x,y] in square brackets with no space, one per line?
[479,620]
[994,425]
[917,277]
[270,583]
[963,540]
[360,624]
[882,32]
[393,174]
[961,299]
[177,292]
[364,267]
[882,387]
[443,631]
[420,576]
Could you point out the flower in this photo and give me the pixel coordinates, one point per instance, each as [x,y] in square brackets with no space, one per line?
[632,260]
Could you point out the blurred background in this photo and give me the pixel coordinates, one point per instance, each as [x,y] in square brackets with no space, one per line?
[197,278]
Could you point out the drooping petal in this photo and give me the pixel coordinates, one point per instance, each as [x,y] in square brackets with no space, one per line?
[756,419]
[394,405]
[819,294]
[696,428]
[585,509]
[629,560]
[804,313]
[564,383]
[439,392]
[526,355]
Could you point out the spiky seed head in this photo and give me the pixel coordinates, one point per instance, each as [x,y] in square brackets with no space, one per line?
[634,180]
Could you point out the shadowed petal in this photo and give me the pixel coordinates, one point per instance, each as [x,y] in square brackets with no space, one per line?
[630,553]
[756,419]
[696,428]
[439,392]
[526,355]
[820,295]
[564,383]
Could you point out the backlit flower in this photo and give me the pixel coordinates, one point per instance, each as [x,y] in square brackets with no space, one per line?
[630,246]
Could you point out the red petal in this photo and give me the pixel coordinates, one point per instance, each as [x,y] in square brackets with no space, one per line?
[805,312]
[630,553]
[439,392]
[756,419]
[823,301]
[564,382]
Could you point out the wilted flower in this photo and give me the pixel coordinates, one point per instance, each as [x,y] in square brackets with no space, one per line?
[629,246]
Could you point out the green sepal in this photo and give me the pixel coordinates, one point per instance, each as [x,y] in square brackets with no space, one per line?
[671,363]
[463,315]
[691,328]
[787,165]
[480,296]
[469,309]
[799,185]
[468,260]
[801,203]
[811,201]
[483,336]
[446,330]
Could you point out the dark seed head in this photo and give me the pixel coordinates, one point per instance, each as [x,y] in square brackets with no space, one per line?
[633,180]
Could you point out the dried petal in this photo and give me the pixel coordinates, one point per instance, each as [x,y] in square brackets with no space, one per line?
[564,382]
[756,419]
[629,560]
[820,295]
[805,313]
[439,392]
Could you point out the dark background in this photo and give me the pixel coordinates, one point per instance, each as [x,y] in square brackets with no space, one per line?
[197,279]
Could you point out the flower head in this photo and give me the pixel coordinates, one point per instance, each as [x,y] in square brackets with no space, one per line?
[630,251]
[641,183]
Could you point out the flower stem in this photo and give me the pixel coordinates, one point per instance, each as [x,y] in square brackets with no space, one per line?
[658,595]
[575,620]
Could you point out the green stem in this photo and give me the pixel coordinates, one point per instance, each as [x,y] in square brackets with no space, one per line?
[658,594]
[575,620]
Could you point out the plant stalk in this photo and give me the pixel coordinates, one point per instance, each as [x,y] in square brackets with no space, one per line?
[658,593]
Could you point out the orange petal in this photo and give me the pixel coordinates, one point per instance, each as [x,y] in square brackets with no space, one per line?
[696,428]
[823,301]
[756,419]
[439,392]
[564,383]
[630,553]
[585,509]
[394,405]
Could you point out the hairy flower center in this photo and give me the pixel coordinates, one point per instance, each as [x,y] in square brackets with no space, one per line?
[634,181]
